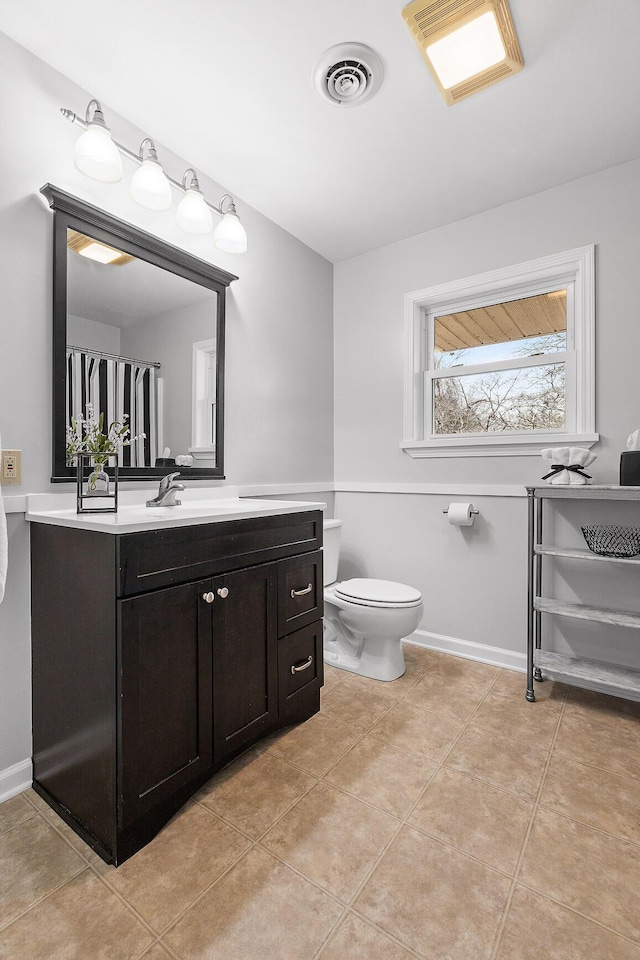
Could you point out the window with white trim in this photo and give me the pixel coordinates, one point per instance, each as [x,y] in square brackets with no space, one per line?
[502,363]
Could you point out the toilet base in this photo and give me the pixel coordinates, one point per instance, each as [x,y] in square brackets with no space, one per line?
[382,661]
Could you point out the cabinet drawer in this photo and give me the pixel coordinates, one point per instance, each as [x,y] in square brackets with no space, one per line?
[160,558]
[300,668]
[299,592]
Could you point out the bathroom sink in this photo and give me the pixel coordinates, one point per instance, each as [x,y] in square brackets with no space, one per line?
[199,505]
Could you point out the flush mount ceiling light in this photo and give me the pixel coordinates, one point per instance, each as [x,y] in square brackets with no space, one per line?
[348,74]
[95,250]
[149,185]
[467,44]
[100,157]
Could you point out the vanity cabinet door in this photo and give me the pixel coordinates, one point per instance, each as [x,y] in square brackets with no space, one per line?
[245,691]
[164,675]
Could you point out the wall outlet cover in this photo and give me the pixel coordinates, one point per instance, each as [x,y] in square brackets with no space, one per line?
[11,467]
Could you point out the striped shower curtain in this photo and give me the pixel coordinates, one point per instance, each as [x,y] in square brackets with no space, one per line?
[116,387]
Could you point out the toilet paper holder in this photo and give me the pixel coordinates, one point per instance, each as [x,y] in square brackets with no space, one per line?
[476,512]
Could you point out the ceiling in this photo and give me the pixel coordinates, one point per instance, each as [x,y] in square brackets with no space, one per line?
[227,85]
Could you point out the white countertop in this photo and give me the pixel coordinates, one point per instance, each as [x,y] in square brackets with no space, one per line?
[199,505]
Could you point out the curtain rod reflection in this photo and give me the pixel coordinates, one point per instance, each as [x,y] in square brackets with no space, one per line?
[114,356]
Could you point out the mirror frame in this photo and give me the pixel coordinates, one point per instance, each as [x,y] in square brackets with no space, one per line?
[70,212]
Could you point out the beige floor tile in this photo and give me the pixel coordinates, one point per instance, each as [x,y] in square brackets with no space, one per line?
[420,731]
[435,900]
[157,952]
[604,710]
[522,720]
[421,658]
[331,838]
[475,817]
[14,811]
[36,800]
[254,791]
[516,765]
[537,928]
[453,686]
[597,875]
[384,776]
[357,940]
[82,919]
[332,677]
[597,797]
[512,683]
[599,742]
[315,745]
[34,860]
[358,685]
[261,910]
[166,876]
[70,836]
[461,669]
[359,709]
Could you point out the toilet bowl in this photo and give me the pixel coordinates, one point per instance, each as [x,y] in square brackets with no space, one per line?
[365,619]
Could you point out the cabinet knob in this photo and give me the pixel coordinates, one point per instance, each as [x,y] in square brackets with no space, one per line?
[209,597]
[223,592]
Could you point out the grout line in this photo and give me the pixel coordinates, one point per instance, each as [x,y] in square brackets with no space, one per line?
[4,925]
[578,913]
[507,907]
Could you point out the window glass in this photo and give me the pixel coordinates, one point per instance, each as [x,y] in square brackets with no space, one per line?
[523,399]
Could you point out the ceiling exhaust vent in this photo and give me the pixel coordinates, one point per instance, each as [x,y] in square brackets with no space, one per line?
[348,74]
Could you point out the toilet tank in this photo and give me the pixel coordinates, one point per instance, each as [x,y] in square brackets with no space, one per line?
[331,550]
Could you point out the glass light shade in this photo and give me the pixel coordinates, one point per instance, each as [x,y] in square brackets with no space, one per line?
[97,156]
[193,215]
[230,235]
[150,187]
[472,48]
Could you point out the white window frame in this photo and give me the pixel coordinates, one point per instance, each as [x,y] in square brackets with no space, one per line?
[203,399]
[573,269]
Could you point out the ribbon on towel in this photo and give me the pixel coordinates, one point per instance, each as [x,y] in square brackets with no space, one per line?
[559,467]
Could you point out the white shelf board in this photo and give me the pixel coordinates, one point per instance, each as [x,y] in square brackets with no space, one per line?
[580,611]
[582,553]
[591,674]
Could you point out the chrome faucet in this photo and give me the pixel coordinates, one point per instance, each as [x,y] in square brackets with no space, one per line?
[167,492]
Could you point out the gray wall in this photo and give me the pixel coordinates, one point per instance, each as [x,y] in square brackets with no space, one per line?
[474,580]
[279,401]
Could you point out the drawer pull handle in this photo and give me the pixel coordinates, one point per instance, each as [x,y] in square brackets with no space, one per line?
[223,592]
[302,593]
[303,666]
[209,597]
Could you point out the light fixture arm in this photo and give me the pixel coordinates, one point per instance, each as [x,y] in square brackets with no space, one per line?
[153,155]
[98,118]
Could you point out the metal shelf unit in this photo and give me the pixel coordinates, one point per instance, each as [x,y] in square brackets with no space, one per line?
[592,674]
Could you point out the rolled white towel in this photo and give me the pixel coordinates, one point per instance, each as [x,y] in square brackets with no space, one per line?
[567,457]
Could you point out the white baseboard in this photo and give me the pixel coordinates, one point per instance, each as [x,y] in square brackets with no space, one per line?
[15,779]
[496,656]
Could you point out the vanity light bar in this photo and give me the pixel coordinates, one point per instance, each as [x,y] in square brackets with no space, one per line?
[229,216]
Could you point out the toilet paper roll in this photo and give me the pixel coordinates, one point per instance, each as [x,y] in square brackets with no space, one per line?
[460,514]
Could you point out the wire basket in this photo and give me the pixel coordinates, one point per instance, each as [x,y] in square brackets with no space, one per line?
[612,541]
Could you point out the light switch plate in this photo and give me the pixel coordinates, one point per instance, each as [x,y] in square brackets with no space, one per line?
[11,467]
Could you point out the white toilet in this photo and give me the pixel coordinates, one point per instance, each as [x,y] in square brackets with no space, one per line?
[365,620]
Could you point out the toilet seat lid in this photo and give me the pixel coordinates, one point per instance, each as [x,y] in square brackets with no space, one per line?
[378,592]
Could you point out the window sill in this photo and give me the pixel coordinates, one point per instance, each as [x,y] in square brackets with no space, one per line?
[495,446]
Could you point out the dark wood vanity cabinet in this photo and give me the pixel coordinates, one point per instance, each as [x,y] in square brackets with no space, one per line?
[159,656]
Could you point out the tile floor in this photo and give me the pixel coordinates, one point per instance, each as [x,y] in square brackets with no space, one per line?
[440,817]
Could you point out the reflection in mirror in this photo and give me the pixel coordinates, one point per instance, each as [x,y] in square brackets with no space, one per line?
[140,345]
[138,331]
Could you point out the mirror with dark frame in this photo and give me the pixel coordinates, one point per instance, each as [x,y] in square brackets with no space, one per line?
[138,333]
